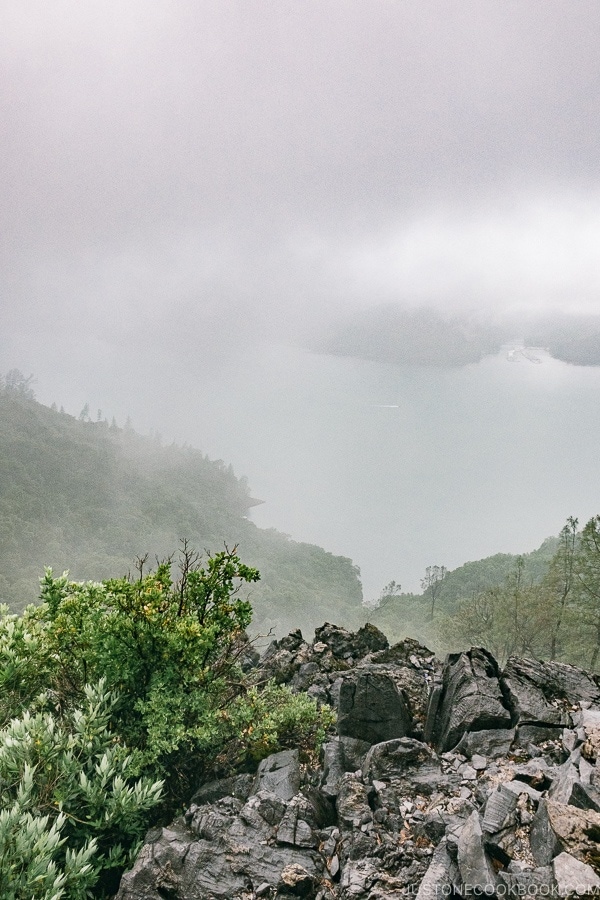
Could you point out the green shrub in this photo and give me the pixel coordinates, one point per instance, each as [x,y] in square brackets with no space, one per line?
[117,699]
[71,812]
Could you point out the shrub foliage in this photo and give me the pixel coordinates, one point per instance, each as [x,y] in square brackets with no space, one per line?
[116,699]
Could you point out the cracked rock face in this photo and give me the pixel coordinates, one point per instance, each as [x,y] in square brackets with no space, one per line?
[468,698]
[454,779]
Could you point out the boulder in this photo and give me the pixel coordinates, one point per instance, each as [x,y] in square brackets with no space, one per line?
[371,705]
[295,881]
[383,817]
[351,645]
[282,659]
[468,698]
[238,786]
[585,796]
[396,758]
[476,872]
[528,883]
[354,751]
[500,809]
[564,783]
[574,878]
[544,693]
[181,864]
[441,878]
[490,743]
[265,804]
[576,830]
[295,827]
[544,843]
[279,774]
[333,767]
[353,802]
[417,669]
[537,734]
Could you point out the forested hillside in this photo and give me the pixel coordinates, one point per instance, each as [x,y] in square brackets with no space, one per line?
[544,604]
[91,497]
[430,615]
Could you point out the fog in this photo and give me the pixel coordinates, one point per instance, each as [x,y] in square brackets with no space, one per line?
[189,187]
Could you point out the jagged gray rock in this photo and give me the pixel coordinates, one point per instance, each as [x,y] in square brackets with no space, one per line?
[575,830]
[574,878]
[490,743]
[372,707]
[395,757]
[349,645]
[229,860]
[280,774]
[442,877]
[468,698]
[354,752]
[333,768]
[544,843]
[543,693]
[474,866]
[500,809]
[238,786]
[353,802]
[440,780]
[296,881]
[585,796]
[528,883]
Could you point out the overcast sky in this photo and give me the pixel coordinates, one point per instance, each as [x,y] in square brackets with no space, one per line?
[181,180]
[254,162]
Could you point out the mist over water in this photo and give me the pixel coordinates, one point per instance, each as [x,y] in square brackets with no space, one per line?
[401,468]
[187,184]
[396,467]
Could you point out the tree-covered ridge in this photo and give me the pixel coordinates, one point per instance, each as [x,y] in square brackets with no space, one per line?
[420,336]
[89,497]
[406,614]
[542,605]
[474,577]
[426,336]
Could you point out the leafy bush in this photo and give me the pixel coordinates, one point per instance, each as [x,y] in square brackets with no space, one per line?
[268,719]
[71,812]
[117,699]
[169,649]
[28,868]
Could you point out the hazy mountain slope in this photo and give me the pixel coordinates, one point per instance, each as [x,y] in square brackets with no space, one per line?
[403,615]
[493,570]
[423,336]
[88,497]
[573,338]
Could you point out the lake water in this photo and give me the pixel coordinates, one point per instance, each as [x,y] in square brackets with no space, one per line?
[397,468]
[401,468]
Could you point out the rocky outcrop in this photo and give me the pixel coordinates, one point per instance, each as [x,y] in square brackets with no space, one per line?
[468,697]
[441,780]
